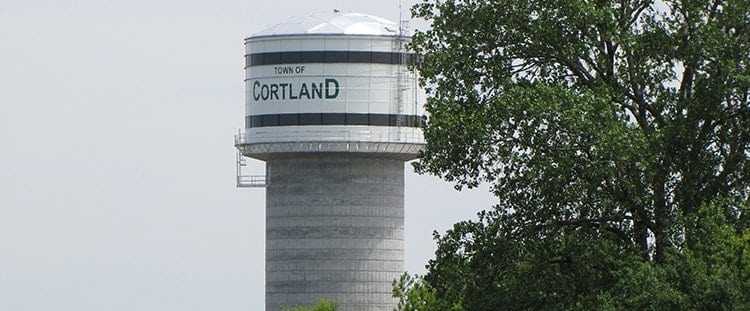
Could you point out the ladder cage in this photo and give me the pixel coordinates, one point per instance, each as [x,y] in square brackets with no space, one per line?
[243,180]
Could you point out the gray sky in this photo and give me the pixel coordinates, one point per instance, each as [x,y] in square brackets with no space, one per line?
[116,158]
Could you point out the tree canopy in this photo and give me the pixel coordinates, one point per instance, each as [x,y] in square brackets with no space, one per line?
[616,138]
[322,305]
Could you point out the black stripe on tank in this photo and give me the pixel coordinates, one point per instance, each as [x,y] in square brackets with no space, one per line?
[372,119]
[327,57]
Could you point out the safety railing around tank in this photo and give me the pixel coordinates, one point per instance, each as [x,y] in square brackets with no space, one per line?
[404,136]
[252,181]
[248,181]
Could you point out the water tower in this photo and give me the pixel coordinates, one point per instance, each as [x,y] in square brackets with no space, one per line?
[332,109]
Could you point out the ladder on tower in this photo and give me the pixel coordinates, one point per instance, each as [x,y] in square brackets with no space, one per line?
[403,83]
[243,180]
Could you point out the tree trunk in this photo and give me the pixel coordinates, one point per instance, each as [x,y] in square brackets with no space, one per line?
[661,219]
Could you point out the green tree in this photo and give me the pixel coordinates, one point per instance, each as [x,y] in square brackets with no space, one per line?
[322,305]
[415,295]
[616,137]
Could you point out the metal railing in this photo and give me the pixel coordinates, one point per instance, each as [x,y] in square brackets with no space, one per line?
[247,181]
[252,181]
[307,136]
[403,136]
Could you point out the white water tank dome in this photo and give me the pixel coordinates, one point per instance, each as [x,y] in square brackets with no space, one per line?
[333,23]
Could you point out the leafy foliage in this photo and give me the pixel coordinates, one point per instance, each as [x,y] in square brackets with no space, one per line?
[616,137]
[482,265]
[322,305]
[414,295]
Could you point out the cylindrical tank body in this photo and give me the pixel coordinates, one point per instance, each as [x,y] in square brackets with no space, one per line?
[330,78]
[332,108]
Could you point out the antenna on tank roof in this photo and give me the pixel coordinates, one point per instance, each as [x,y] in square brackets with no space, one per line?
[403,25]
[400,19]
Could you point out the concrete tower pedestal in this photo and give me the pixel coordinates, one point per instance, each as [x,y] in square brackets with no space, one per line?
[334,229]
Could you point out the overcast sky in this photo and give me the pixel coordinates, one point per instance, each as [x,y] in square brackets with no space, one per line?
[116,159]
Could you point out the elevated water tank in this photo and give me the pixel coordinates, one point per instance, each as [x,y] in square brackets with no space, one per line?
[335,82]
[334,111]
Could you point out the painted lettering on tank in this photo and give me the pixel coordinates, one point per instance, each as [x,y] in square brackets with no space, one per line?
[327,89]
[288,70]
[335,84]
